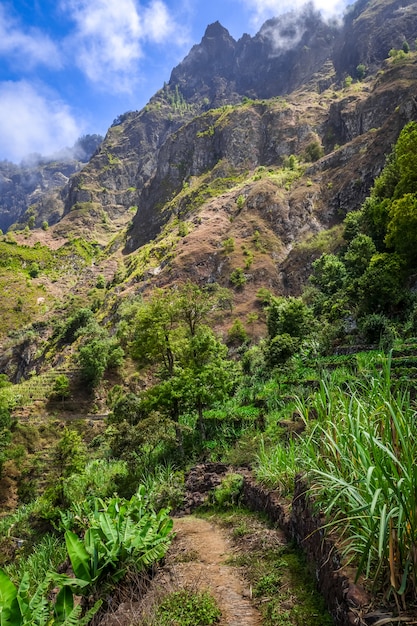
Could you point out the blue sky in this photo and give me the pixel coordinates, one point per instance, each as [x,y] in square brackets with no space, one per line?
[69,67]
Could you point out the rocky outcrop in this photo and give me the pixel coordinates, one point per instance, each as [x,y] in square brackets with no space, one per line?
[285,53]
[371,29]
[36,184]
[231,107]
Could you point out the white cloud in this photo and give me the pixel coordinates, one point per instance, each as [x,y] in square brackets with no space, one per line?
[28,48]
[265,9]
[33,121]
[110,34]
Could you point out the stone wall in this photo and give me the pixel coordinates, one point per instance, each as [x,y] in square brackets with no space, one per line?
[347,602]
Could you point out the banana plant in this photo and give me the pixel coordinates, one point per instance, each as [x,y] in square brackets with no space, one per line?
[122,532]
[18,609]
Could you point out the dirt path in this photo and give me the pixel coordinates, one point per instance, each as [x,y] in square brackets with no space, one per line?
[196,561]
[211,548]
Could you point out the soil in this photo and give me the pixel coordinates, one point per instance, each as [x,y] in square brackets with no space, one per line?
[196,561]
[212,548]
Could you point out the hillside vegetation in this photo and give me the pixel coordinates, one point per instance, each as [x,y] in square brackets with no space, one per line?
[177,393]
[231,278]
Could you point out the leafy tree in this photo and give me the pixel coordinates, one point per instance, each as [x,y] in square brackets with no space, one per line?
[381,286]
[237,333]
[348,81]
[353,225]
[170,332]
[61,388]
[405,161]
[207,376]
[68,457]
[195,304]
[289,316]
[280,348]
[361,71]
[97,355]
[358,255]
[79,320]
[329,274]
[402,227]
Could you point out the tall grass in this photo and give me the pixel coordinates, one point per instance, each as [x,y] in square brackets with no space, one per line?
[361,456]
[50,552]
[277,465]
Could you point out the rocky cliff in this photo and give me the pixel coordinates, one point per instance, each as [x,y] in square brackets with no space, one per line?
[268,140]
[37,184]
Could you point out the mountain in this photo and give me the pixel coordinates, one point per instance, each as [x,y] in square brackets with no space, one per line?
[239,165]
[37,183]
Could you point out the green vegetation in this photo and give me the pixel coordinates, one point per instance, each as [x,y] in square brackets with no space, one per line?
[188,608]
[328,391]
[283,587]
[116,535]
[238,278]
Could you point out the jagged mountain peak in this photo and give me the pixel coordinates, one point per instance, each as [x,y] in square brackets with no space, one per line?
[216,31]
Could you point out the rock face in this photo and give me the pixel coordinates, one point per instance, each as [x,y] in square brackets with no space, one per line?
[371,29]
[232,107]
[280,58]
[23,186]
[37,183]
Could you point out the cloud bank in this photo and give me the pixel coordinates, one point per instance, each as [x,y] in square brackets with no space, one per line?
[265,9]
[26,49]
[109,37]
[32,121]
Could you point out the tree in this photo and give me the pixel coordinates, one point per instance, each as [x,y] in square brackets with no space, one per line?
[281,348]
[68,457]
[207,376]
[358,255]
[289,316]
[61,388]
[169,331]
[381,287]
[352,225]
[405,161]
[79,320]
[361,71]
[97,355]
[329,274]
[5,435]
[402,227]
[134,429]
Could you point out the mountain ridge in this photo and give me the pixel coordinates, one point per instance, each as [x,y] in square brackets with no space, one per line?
[171,183]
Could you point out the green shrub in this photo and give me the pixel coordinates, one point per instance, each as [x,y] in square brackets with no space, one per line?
[100,282]
[188,608]
[377,329]
[237,332]
[238,278]
[314,151]
[281,348]
[227,494]
[228,245]
[79,320]
[34,269]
